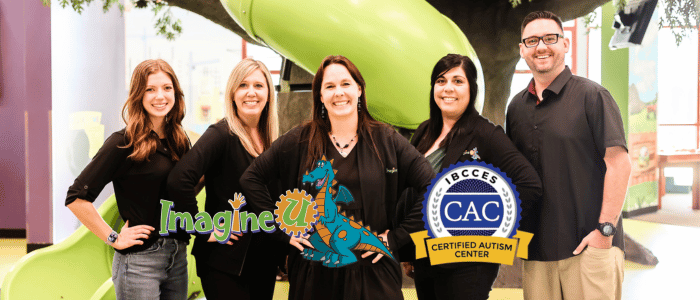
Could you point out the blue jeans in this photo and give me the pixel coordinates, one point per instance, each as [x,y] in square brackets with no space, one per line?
[158,272]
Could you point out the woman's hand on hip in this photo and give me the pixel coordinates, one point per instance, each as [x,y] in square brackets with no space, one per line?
[130,236]
[300,242]
[212,237]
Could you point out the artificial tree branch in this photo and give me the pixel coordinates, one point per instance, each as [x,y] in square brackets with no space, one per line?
[215,12]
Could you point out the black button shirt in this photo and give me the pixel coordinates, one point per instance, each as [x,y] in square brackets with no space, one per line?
[565,138]
[138,187]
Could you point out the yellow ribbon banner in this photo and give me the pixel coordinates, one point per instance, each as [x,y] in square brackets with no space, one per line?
[471,248]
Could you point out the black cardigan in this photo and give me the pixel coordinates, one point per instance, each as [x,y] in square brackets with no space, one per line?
[401,166]
[496,149]
[222,159]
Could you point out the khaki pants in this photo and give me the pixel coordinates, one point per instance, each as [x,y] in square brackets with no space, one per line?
[593,274]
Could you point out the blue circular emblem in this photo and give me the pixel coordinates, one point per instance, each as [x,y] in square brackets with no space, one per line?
[471,198]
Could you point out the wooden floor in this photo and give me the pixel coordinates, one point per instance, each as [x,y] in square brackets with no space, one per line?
[676,209]
[11,250]
[677,276]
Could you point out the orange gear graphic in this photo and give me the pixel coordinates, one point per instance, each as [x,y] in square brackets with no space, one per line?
[311,215]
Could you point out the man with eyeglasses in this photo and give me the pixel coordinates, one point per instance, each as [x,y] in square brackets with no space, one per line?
[571,130]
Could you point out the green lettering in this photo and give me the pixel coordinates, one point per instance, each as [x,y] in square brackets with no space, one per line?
[165,207]
[203,223]
[185,221]
[287,215]
[245,217]
[224,226]
[263,219]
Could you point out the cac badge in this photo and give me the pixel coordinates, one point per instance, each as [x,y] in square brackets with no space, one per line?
[471,212]
[472,198]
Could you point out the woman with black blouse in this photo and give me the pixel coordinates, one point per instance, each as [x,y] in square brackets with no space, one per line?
[373,162]
[137,160]
[246,266]
[456,133]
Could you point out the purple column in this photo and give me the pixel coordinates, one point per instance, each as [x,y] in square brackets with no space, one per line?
[25,119]
[12,106]
[38,66]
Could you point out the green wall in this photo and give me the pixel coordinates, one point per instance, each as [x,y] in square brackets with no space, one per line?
[614,72]
[615,76]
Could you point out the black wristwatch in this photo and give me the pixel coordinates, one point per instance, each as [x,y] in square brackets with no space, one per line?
[112,237]
[607,229]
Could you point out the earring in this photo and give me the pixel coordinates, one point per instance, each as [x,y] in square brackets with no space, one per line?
[359,105]
[323,112]
[166,119]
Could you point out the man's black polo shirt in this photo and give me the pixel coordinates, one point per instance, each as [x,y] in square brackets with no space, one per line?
[565,137]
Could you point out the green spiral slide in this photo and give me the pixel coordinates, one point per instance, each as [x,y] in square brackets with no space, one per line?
[395,45]
[80,267]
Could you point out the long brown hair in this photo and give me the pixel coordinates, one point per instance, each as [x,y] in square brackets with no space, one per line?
[320,126]
[138,125]
[268,123]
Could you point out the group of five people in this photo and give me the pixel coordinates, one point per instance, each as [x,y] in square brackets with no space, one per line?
[564,150]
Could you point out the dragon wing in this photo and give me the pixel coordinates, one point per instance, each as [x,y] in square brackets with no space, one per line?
[344,195]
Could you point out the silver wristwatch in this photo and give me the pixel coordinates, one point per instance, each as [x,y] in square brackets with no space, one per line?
[112,238]
[607,229]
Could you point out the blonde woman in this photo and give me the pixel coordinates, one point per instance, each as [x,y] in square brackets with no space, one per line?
[137,160]
[244,267]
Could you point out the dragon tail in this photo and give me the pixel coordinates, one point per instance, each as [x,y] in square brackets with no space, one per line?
[368,247]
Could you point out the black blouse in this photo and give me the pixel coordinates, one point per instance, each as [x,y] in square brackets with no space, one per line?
[138,186]
[348,175]
[495,148]
[222,159]
[386,171]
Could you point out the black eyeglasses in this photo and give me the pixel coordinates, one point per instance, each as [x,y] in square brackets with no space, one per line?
[549,39]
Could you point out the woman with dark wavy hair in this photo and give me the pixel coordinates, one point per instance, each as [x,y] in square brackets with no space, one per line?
[372,163]
[456,133]
[137,160]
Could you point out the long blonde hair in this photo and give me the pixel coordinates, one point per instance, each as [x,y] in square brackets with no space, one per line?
[268,123]
[138,124]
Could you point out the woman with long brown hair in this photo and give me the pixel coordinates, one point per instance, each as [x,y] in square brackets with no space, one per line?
[245,266]
[373,164]
[137,160]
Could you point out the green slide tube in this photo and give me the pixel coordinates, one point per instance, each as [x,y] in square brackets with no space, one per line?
[394,44]
[80,267]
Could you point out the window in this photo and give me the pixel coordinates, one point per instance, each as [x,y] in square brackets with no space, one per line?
[679,112]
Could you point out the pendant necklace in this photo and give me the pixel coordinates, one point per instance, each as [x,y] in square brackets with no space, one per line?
[340,149]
